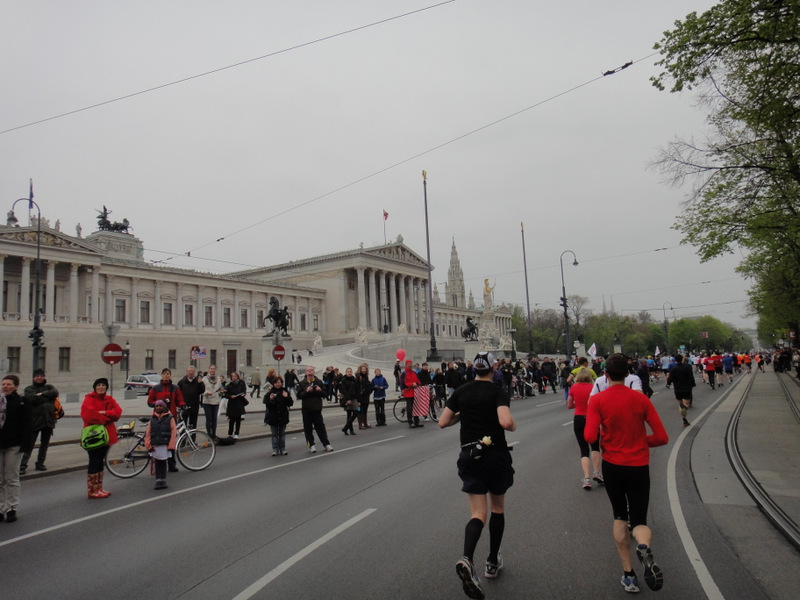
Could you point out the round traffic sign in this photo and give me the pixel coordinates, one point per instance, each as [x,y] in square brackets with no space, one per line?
[112,354]
[279,353]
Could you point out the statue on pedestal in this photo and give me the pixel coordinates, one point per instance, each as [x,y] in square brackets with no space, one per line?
[470,333]
[487,295]
[279,316]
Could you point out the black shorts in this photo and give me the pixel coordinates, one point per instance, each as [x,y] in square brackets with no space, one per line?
[492,473]
[679,395]
[628,489]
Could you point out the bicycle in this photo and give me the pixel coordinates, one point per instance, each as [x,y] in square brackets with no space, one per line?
[194,449]
[399,408]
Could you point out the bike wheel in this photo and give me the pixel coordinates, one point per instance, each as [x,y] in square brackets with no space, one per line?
[399,410]
[432,412]
[127,458]
[195,450]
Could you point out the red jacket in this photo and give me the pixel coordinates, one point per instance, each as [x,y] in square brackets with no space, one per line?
[169,393]
[622,413]
[93,403]
[408,379]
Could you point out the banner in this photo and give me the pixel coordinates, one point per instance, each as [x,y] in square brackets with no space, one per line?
[593,351]
[198,352]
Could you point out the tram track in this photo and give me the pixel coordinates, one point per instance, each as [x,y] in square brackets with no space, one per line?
[777,516]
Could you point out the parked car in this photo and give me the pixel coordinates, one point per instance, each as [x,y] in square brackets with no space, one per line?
[142,382]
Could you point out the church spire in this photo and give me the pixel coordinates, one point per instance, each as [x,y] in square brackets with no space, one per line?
[455,293]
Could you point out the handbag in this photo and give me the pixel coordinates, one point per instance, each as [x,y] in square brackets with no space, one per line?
[94,436]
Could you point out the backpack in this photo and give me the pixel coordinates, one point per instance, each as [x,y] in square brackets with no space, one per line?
[58,409]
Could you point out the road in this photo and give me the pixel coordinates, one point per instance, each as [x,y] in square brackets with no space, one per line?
[380,517]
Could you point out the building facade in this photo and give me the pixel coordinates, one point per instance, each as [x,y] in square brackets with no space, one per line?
[100,288]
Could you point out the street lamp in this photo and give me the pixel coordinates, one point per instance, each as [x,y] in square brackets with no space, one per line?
[564,299]
[666,327]
[127,359]
[527,295]
[385,318]
[36,335]
[512,331]
[433,355]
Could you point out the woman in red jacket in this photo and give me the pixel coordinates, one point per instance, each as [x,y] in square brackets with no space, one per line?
[578,399]
[99,408]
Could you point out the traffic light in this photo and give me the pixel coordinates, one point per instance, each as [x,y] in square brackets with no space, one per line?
[563,302]
[36,335]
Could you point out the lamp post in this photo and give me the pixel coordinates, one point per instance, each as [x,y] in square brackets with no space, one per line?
[512,331]
[385,318]
[666,327]
[127,360]
[527,295]
[36,335]
[564,299]
[433,355]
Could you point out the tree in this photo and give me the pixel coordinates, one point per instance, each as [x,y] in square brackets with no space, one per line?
[744,57]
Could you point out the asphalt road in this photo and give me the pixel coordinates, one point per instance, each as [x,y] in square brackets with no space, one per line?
[380,517]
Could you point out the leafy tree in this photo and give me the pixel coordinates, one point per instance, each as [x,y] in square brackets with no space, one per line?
[744,58]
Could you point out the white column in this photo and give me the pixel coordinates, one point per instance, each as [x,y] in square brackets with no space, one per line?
[251,318]
[2,280]
[198,318]
[179,318]
[108,316]
[159,313]
[25,290]
[374,304]
[412,305]
[382,299]
[95,316]
[235,314]
[134,315]
[392,302]
[218,316]
[362,297]
[403,296]
[50,292]
[73,292]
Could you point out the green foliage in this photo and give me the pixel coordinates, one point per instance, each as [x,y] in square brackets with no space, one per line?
[744,57]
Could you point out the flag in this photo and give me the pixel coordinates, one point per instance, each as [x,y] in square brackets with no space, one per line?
[30,197]
[385,215]
[593,351]
[658,351]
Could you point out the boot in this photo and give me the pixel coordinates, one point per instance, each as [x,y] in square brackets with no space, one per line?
[99,491]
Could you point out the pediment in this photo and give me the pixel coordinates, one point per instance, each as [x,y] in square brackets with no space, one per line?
[50,238]
[398,252]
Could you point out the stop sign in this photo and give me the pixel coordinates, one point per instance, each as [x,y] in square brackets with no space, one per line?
[279,353]
[112,354]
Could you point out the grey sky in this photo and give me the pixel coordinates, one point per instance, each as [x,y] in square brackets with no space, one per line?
[202,160]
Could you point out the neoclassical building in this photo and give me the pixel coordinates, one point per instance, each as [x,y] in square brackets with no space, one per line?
[100,287]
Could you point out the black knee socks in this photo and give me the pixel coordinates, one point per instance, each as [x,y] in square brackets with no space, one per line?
[497,524]
[472,534]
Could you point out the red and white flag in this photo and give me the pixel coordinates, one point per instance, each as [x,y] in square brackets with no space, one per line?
[385,215]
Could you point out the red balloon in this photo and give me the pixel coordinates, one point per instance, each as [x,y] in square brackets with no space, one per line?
[401,354]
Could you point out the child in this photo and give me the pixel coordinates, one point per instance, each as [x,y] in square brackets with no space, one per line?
[160,441]
[380,385]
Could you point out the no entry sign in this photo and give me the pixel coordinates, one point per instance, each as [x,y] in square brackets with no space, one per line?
[112,354]
[279,353]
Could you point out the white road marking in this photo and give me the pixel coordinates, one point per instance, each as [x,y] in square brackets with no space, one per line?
[692,553]
[552,402]
[567,423]
[259,585]
[111,511]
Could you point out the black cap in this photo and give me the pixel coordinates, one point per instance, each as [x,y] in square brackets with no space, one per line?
[98,381]
[38,372]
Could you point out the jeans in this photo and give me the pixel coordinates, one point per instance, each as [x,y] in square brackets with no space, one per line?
[278,438]
[211,418]
[10,459]
[47,433]
[380,410]
[96,458]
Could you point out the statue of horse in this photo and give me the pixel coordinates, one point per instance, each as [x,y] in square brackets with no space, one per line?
[279,316]
[470,332]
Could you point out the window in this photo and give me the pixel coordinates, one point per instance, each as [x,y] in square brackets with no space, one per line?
[13,359]
[226,316]
[248,358]
[208,316]
[259,318]
[63,360]
[43,358]
[149,355]
[144,311]
[315,321]
[243,318]
[119,310]
[302,322]
[212,354]
[188,314]
[172,359]
[167,320]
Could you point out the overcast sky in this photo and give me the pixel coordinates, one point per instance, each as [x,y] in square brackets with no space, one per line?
[297,154]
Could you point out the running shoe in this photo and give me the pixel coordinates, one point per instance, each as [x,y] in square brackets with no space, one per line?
[313,449]
[328,448]
[598,478]
[631,584]
[587,484]
[469,579]
[492,569]
[652,572]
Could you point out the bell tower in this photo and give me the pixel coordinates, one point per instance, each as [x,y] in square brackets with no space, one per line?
[454,288]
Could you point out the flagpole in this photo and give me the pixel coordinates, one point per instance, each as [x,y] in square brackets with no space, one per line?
[527,295]
[384,227]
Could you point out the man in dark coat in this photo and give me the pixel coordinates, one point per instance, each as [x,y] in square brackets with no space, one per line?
[192,388]
[16,438]
[42,397]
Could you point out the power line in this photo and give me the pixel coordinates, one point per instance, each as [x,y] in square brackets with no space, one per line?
[226,68]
